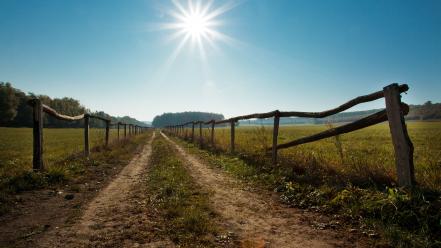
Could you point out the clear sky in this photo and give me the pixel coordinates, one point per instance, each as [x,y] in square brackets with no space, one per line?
[120,56]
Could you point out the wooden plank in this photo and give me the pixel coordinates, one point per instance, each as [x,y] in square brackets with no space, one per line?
[343,107]
[400,138]
[86,136]
[356,125]
[233,125]
[37,163]
[275,136]
[59,116]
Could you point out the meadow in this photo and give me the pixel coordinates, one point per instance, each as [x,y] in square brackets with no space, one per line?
[362,155]
[59,144]
[351,176]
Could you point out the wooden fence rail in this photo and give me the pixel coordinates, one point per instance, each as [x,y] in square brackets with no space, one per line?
[39,108]
[394,114]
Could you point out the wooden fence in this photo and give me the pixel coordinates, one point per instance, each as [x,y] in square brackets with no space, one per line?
[39,108]
[394,114]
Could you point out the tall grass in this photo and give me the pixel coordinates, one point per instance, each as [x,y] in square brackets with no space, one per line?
[365,155]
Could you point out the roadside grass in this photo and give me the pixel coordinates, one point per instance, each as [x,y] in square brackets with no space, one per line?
[364,157]
[403,218]
[182,205]
[72,167]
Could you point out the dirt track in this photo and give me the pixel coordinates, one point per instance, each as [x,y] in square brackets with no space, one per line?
[258,220]
[114,218]
[119,216]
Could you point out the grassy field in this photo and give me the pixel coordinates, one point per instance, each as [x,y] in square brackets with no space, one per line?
[367,153]
[16,146]
[350,177]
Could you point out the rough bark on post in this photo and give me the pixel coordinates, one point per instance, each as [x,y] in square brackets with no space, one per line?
[192,132]
[107,132]
[212,133]
[37,135]
[86,136]
[233,125]
[402,144]
[275,136]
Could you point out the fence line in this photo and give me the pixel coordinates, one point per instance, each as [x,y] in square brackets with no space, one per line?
[39,108]
[394,114]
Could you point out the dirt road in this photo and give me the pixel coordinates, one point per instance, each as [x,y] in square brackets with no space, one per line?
[258,220]
[115,217]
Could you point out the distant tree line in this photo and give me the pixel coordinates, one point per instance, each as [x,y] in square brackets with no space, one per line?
[167,119]
[427,111]
[15,111]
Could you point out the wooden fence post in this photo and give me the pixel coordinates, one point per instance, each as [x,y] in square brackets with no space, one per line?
[233,125]
[212,133]
[125,131]
[118,130]
[402,144]
[86,135]
[275,136]
[37,135]
[192,132]
[107,132]
[200,133]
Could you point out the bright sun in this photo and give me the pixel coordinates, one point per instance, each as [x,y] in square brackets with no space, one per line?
[198,24]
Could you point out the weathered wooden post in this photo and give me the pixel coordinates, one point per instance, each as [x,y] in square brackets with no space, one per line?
[86,135]
[107,132]
[125,131]
[37,163]
[212,133]
[200,133]
[192,132]
[233,125]
[118,129]
[275,136]
[402,144]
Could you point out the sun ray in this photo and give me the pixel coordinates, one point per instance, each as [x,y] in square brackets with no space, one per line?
[196,23]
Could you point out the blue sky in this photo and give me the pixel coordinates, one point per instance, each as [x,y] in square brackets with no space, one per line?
[288,55]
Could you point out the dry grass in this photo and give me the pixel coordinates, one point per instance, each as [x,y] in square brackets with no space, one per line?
[362,156]
[59,143]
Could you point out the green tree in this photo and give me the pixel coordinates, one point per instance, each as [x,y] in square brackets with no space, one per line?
[8,103]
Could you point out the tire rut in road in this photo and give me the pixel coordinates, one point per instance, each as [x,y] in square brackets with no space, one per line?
[257,220]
